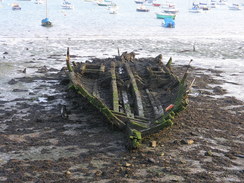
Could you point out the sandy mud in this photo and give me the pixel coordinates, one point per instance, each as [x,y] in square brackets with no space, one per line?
[39,144]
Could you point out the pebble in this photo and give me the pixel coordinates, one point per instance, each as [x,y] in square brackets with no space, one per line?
[67,173]
[127,164]
[162,154]
[189,142]
[153,143]
[98,173]
[12,82]
[151,160]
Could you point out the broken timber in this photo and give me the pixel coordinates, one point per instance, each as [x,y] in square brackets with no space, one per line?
[140,96]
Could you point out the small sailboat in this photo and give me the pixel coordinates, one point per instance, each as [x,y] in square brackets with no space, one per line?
[195,9]
[168,23]
[113,9]
[221,2]
[46,22]
[67,5]
[39,2]
[142,8]
[234,7]
[139,1]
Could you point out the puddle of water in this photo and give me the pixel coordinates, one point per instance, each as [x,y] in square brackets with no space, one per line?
[42,153]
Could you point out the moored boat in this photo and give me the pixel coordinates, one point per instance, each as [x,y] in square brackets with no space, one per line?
[104,3]
[46,22]
[195,9]
[142,8]
[169,8]
[221,2]
[203,6]
[234,7]
[139,1]
[171,11]
[156,4]
[113,9]
[168,23]
[16,6]
[67,5]
[139,96]
[39,1]
[165,15]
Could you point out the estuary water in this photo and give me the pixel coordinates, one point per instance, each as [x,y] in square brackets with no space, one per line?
[91,31]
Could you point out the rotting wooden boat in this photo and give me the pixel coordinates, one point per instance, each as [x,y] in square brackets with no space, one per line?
[140,96]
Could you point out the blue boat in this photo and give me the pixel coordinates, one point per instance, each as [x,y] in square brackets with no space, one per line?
[46,22]
[169,23]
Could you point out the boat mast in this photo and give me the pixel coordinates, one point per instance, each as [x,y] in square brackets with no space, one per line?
[46,8]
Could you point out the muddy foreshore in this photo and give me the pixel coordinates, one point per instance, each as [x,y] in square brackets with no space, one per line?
[37,144]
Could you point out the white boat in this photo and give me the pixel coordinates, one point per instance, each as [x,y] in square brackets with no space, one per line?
[195,9]
[113,9]
[212,5]
[66,5]
[39,1]
[169,8]
[139,1]
[16,6]
[234,7]
[221,2]
[203,6]
[104,3]
[142,8]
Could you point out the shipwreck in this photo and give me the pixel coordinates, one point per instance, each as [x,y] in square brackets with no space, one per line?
[139,96]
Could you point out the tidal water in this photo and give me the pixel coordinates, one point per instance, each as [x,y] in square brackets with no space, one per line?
[90,31]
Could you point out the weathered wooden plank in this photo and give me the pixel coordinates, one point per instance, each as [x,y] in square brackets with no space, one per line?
[136,92]
[127,104]
[158,109]
[114,88]
[95,91]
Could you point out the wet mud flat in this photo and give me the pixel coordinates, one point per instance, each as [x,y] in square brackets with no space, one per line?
[40,144]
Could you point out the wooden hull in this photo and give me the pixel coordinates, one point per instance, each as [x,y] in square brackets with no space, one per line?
[139,96]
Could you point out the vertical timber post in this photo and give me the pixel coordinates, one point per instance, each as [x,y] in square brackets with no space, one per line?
[68,61]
